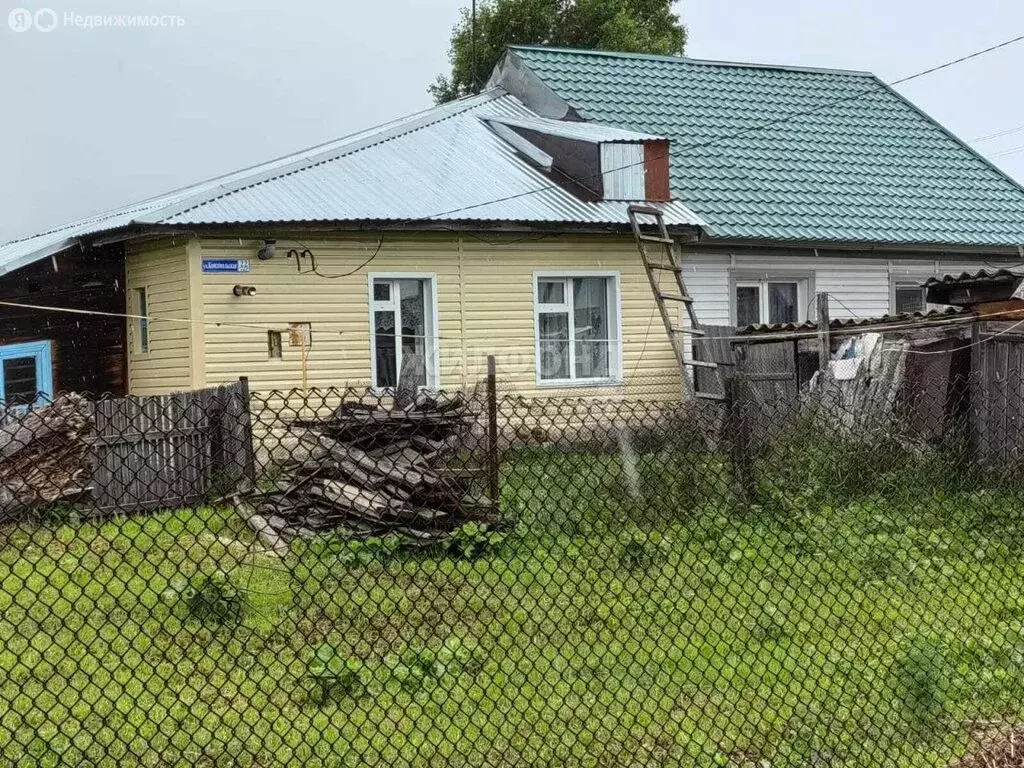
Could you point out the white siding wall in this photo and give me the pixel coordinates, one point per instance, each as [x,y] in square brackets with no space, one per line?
[859,287]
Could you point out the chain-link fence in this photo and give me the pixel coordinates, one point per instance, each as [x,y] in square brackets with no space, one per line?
[473,579]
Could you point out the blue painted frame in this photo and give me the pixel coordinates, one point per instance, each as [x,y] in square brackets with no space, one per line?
[40,350]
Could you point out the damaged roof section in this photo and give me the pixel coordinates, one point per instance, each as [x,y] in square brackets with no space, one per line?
[967,289]
[444,166]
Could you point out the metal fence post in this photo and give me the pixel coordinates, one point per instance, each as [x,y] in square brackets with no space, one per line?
[493,471]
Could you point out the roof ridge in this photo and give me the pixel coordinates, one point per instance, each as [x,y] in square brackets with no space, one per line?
[331,151]
[698,62]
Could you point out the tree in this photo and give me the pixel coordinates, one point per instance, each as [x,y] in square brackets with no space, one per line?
[636,26]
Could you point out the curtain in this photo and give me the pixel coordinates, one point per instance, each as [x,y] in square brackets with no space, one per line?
[783,303]
[590,314]
[554,345]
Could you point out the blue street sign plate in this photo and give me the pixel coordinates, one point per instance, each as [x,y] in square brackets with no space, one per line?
[227,265]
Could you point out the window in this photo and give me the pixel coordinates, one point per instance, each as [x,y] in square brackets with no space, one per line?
[907,297]
[26,374]
[403,329]
[142,328]
[577,328]
[274,345]
[770,301]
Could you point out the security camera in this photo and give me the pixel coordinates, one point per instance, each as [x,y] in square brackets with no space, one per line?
[245,290]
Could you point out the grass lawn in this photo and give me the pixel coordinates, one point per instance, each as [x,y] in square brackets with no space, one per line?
[628,620]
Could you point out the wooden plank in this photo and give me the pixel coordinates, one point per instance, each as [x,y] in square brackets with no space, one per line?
[824,335]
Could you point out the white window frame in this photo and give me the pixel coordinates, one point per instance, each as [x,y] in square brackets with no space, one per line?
[615,314]
[761,281]
[433,357]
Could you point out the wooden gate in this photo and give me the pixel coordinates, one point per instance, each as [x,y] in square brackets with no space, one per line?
[171,450]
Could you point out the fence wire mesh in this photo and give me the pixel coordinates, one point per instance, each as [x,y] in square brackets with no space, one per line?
[339,578]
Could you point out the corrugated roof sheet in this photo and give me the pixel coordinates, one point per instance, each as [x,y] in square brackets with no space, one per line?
[442,165]
[794,154]
[592,132]
[854,322]
[975,278]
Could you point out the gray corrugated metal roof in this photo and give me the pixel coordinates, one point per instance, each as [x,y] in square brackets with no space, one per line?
[440,165]
[853,322]
[592,132]
[975,278]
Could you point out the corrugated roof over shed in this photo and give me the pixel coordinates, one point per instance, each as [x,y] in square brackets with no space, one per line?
[866,323]
[790,153]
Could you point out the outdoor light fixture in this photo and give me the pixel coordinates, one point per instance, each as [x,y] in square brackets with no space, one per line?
[245,290]
[268,250]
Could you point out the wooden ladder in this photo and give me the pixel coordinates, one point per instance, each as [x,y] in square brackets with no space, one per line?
[671,261]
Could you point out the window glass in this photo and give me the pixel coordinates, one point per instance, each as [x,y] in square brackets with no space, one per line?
[385,348]
[577,328]
[20,384]
[554,345]
[783,303]
[909,298]
[143,327]
[748,305]
[414,329]
[551,292]
[590,311]
[402,329]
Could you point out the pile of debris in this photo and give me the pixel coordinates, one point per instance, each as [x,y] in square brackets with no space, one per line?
[998,748]
[43,454]
[374,470]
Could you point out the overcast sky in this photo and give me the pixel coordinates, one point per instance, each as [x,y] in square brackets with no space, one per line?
[95,118]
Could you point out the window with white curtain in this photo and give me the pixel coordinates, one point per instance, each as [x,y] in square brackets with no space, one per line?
[770,301]
[402,316]
[577,328]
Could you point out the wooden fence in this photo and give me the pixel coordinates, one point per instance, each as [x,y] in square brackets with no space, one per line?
[171,450]
[997,399]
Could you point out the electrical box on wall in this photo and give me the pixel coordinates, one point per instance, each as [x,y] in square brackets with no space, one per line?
[300,334]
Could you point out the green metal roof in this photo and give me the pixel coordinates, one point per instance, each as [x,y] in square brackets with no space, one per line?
[787,153]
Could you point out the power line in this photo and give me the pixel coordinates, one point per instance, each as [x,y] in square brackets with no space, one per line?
[977,343]
[1007,152]
[961,60]
[129,316]
[998,134]
[878,85]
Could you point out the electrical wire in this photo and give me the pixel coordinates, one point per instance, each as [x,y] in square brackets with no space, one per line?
[376,252]
[866,327]
[978,343]
[877,86]
[1007,152]
[128,316]
[998,134]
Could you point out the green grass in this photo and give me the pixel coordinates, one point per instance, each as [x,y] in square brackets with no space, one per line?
[630,619]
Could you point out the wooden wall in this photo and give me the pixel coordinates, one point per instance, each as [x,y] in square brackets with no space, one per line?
[88,351]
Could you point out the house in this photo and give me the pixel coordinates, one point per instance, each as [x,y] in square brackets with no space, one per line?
[497,224]
[807,180]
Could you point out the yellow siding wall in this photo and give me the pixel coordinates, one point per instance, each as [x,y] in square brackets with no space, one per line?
[162,269]
[485,306]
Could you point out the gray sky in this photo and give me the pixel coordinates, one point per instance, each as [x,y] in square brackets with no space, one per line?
[95,118]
